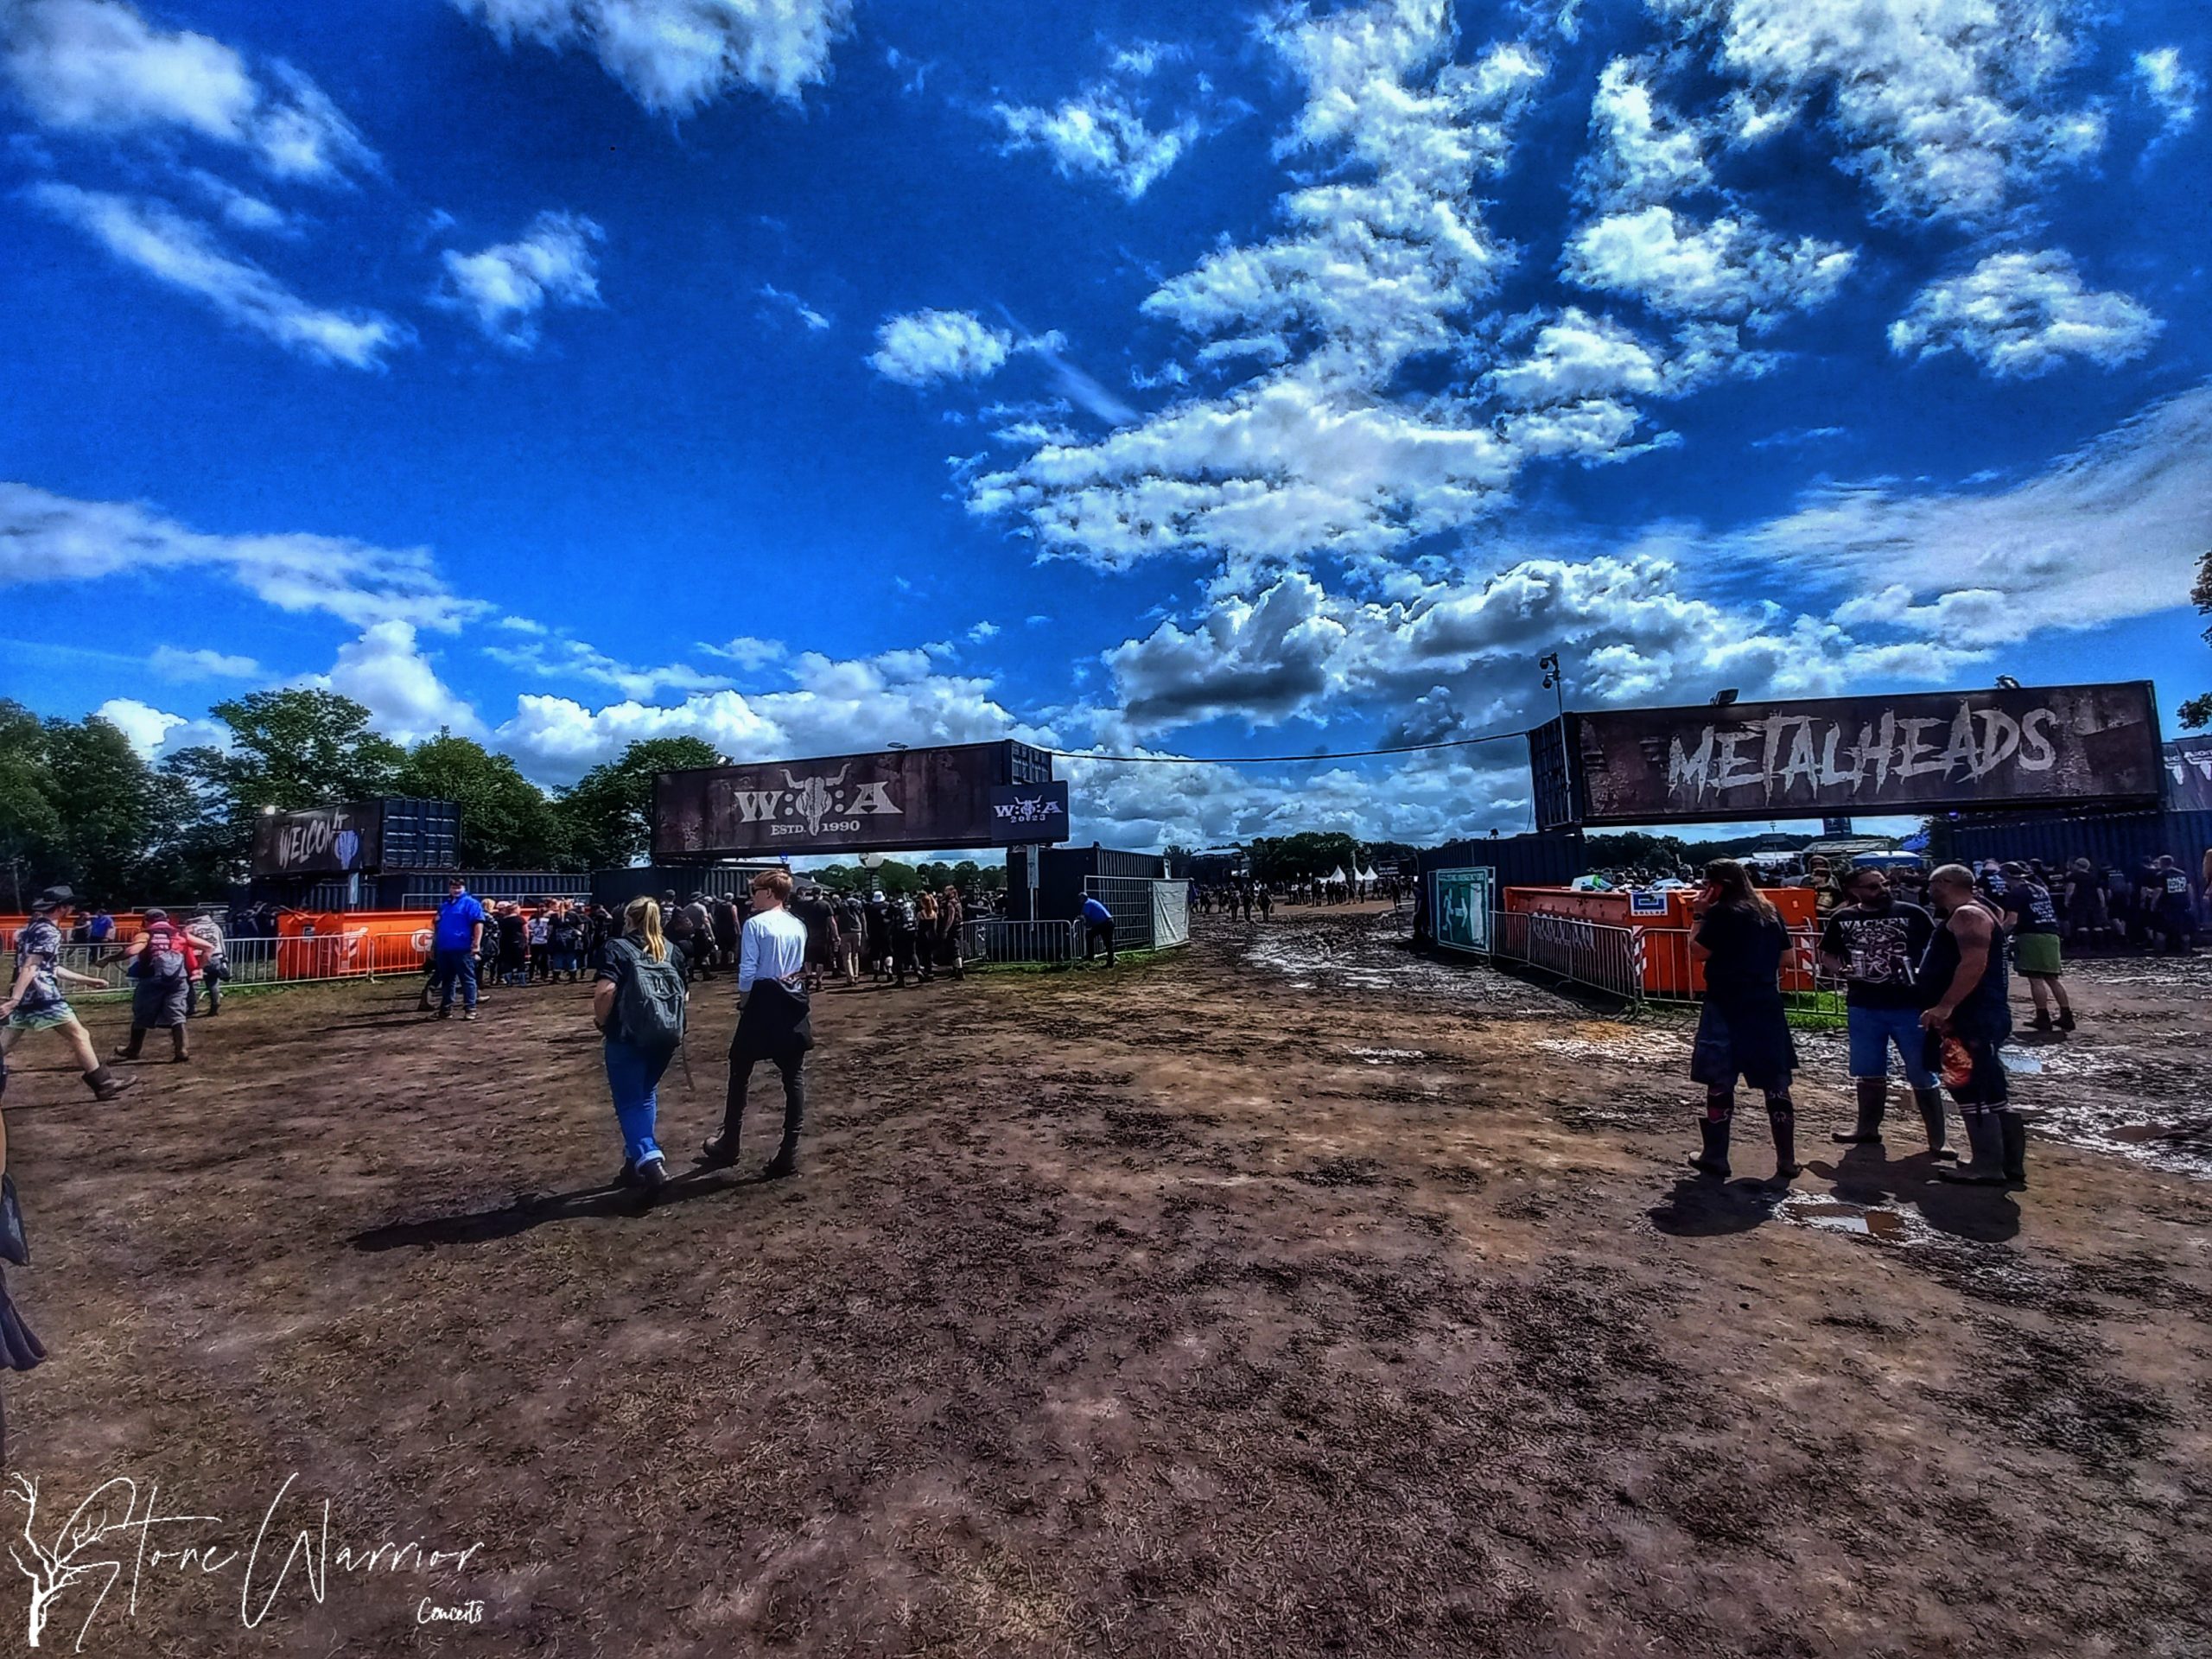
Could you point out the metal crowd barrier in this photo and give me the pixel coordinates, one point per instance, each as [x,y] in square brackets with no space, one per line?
[993,940]
[250,961]
[1603,957]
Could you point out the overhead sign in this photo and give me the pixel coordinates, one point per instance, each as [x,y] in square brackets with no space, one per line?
[2041,745]
[2188,774]
[1459,901]
[1029,813]
[320,841]
[900,798]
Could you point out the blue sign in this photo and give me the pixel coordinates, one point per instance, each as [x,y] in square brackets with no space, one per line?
[1025,814]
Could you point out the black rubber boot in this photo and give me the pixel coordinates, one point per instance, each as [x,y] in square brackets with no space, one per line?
[105,1084]
[785,1162]
[1873,1099]
[129,1050]
[1713,1160]
[1783,1122]
[2066,1019]
[2013,1136]
[1986,1166]
[1930,1102]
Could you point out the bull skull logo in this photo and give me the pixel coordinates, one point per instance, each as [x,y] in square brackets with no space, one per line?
[813,797]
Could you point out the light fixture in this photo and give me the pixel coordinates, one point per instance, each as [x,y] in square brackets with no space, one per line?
[2006,683]
[1722,699]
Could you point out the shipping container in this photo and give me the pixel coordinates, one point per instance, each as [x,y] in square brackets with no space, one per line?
[615,889]
[421,835]
[1060,872]
[424,891]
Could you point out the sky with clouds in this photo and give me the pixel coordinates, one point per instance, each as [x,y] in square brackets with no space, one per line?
[1214,381]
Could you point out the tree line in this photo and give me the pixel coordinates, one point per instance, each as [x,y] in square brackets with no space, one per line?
[80,805]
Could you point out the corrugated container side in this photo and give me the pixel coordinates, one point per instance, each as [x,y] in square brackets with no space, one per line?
[2108,838]
[1539,860]
[420,835]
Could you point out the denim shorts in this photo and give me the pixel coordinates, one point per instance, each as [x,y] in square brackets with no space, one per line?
[1873,1030]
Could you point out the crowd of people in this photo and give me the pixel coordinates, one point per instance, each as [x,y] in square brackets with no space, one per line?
[1244,899]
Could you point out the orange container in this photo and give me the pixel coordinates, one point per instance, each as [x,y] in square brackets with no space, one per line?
[1665,936]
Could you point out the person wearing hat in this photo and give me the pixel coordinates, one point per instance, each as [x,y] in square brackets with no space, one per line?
[34,1002]
[160,962]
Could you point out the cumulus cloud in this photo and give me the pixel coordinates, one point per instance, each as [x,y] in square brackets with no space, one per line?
[1104,131]
[675,55]
[1733,268]
[2023,315]
[574,659]
[146,725]
[183,253]
[1947,108]
[505,287]
[923,347]
[386,672]
[97,67]
[789,304]
[2171,85]
[1322,452]
[46,538]
[173,663]
[1640,151]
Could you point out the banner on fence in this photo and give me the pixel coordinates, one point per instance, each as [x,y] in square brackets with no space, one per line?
[1461,901]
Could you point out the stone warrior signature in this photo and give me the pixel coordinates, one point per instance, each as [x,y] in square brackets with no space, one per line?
[116,1534]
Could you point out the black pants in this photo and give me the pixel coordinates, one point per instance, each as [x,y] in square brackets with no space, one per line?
[1092,933]
[790,1064]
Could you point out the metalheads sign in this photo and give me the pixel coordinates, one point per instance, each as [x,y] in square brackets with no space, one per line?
[320,841]
[918,798]
[2031,746]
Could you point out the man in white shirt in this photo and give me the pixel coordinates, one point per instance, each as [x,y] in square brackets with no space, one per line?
[772,1021]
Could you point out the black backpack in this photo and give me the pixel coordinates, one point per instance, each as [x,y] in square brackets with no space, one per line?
[649,999]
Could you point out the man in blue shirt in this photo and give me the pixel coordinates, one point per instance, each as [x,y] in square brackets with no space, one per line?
[456,939]
[1097,923]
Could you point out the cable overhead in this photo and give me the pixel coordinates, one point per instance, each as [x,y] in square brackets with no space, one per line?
[1280,759]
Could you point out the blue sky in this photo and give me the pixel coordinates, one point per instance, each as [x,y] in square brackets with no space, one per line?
[1198,381]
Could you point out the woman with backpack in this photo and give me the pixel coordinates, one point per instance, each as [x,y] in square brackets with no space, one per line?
[637,1003]
[159,964]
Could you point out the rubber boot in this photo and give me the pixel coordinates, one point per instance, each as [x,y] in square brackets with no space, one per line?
[1986,1166]
[2013,1136]
[785,1162]
[2066,1019]
[1713,1160]
[129,1050]
[1783,1123]
[105,1084]
[1873,1098]
[2041,1021]
[1930,1102]
[179,1051]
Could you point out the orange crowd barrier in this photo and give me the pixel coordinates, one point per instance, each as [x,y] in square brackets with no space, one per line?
[1664,934]
[329,943]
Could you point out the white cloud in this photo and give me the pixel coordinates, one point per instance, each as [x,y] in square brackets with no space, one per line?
[675,55]
[2112,531]
[1101,133]
[386,672]
[506,286]
[1322,453]
[182,253]
[97,66]
[173,663]
[746,651]
[1640,152]
[146,725]
[982,631]
[46,538]
[2172,84]
[2023,315]
[814,320]
[1733,269]
[1575,356]
[574,659]
[1949,107]
[926,347]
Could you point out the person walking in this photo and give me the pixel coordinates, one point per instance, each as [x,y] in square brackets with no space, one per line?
[34,1002]
[1969,1018]
[901,914]
[1742,1030]
[2032,918]
[456,942]
[1875,943]
[2170,907]
[925,935]
[206,933]
[951,918]
[639,1003]
[774,1022]
[538,932]
[1098,924]
[160,963]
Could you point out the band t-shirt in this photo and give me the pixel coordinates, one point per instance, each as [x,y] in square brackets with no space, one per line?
[1881,950]
[1747,948]
[2028,908]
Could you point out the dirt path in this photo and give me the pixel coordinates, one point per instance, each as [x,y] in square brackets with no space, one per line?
[1287,1295]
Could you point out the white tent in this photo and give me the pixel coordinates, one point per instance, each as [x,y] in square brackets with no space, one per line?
[1365,878]
[1337,878]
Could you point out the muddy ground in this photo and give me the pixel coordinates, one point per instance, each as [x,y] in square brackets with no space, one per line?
[1286,1295]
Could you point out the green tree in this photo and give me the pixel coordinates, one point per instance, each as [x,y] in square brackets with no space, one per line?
[2197,711]
[1179,859]
[608,813]
[111,807]
[507,820]
[29,826]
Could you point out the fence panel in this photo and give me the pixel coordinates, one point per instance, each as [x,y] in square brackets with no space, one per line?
[254,962]
[991,939]
[1587,953]
[1129,900]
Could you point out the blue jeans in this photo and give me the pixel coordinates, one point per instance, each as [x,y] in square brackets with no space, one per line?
[458,966]
[633,1079]
[1872,1031]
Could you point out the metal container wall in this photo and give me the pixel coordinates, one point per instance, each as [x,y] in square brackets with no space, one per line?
[421,835]
[1063,871]
[428,892]
[2125,839]
[1551,859]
